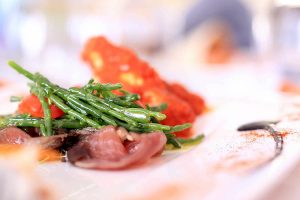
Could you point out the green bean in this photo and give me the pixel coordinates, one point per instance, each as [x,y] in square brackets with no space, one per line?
[178,128]
[129,96]
[138,114]
[171,139]
[154,126]
[159,108]
[107,94]
[11,121]
[36,122]
[15,99]
[59,103]
[72,105]
[191,141]
[131,128]
[39,92]
[116,100]
[97,103]
[69,124]
[43,130]
[83,106]
[104,87]
[21,70]
[108,120]
[114,113]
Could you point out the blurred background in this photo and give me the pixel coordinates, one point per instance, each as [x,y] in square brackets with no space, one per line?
[225,50]
[49,35]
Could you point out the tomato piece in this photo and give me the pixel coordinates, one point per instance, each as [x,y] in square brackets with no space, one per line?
[55,111]
[32,105]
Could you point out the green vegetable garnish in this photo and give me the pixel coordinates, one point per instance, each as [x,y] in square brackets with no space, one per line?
[15,99]
[93,105]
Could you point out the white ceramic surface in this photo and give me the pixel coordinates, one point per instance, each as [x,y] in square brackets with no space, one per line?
[227,165]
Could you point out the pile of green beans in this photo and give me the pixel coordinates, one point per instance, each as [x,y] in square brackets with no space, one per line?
[93,105]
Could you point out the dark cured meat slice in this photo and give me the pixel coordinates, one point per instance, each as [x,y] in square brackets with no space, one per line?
[63,141]
[95,149]
[13,135]
[50,142]
[105,150]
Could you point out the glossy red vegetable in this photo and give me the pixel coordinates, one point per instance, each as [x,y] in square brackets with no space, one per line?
[31,105]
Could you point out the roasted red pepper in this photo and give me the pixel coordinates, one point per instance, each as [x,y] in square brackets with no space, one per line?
[114,64]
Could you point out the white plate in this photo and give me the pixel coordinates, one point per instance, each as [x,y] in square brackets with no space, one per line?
[227,165]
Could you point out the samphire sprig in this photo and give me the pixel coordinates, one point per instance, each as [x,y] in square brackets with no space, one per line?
[93,105]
